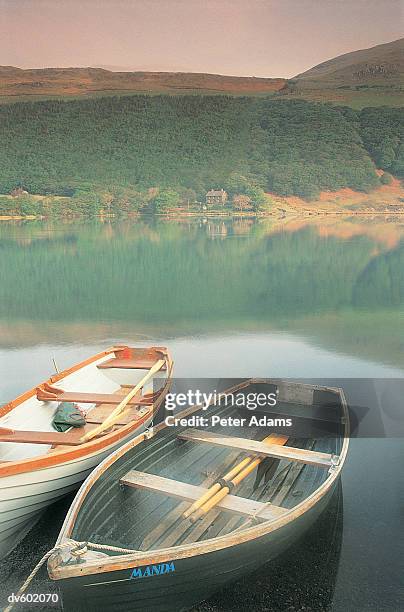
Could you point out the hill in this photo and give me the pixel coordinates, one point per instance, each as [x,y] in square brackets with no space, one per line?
[16,83]
[380,65]
[368,77]
[131,145]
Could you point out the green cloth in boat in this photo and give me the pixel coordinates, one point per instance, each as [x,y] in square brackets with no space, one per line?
[66,416]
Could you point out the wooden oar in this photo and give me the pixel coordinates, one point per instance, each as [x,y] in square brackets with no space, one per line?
[113,417]
[216,487]
[219,495]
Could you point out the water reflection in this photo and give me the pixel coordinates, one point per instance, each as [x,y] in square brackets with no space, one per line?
[338,283]
[298,297]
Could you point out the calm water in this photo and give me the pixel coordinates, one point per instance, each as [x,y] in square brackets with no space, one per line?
[292,298]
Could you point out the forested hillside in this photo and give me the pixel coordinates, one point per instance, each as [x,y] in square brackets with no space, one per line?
[140,143]
[382,130]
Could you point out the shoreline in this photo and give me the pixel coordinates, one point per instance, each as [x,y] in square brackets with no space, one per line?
[173,217]
[288,214]
[384,200]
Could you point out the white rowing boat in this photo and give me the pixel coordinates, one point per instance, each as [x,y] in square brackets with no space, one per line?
[38,465]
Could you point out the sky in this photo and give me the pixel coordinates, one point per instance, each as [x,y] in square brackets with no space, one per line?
[263,38]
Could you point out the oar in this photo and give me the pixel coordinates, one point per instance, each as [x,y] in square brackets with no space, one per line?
[112,418]
[219,495]
[216,487]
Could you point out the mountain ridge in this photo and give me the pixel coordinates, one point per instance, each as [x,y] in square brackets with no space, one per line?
[87,80]
[389,54]
[366,77]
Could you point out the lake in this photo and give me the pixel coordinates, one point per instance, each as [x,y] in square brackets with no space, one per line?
[316,298]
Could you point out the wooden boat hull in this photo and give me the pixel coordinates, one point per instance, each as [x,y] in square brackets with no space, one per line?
[174,564]
[194,579]
[32,476]
[25,496]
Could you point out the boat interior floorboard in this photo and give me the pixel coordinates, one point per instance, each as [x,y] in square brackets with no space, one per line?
[99,413]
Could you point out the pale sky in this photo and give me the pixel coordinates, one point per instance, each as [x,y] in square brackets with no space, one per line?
[239,37]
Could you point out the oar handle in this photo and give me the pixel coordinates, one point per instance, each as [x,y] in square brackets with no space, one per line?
[213,501]
[216,487]
[243,473]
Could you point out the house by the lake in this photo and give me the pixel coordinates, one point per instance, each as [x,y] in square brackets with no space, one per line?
[17,192]
[216,196]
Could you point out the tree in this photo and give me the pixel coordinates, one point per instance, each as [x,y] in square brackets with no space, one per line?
[83,202]
[268,204]
[165,198]
[386,178]
[236,183]
[187,196]
[242,202]
[106,198]
[194,142]
[257,196]
[385,155]
[28,205]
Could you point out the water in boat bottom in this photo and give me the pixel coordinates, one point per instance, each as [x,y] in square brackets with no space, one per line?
[303,578]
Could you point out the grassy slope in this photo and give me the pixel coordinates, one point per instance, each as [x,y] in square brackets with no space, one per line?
[369,77]
[349,97]
[17,84]
[380,65]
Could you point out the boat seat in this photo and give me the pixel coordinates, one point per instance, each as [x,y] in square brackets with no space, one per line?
[48,393]
[95,417]
[129,363]
[260,448]
[188,492]
[135,358]
[72,437]
[40,437]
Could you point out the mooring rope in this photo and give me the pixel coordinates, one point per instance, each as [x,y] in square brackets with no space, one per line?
[85,545]
[77,549]
[30,577]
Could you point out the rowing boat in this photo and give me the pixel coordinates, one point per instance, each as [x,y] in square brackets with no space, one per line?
[112,390]
[166,521]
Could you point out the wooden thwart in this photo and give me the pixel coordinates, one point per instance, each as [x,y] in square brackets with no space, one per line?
[129,364]
[174,522]
[219,491]
[184,491]
[259,448]
[38,437]
[90,398]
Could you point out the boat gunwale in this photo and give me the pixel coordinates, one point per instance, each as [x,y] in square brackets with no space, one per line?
[58,457]
[183,551]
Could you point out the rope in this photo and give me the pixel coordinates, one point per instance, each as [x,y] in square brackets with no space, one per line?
[31,576]
[106,547]
[77,551]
